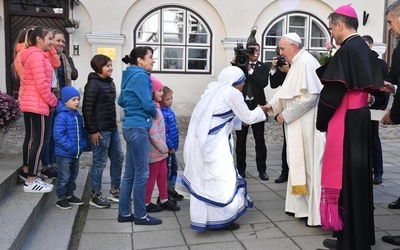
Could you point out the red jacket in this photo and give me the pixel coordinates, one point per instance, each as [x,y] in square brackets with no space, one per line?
[36,96]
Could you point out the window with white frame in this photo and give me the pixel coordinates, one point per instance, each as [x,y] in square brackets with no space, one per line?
[180,38]
[313,33]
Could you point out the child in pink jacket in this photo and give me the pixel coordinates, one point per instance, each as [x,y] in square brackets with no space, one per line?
[36,99]
[157,158]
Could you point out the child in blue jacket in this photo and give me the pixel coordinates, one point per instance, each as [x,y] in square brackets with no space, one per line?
[70,140]
[172,136]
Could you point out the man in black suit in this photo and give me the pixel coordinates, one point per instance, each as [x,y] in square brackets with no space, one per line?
[253,93]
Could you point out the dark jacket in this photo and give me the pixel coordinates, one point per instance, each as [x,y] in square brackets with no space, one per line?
[381,98]
[68,132]
[277,79]
[394,77]
[98,109]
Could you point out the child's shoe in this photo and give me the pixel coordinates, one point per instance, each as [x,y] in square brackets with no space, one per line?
[153,208]
[37,186]
[169,205]
[63,204]
[147,220]
[175,195]
[99,201]
[114,196]
[73,200]
[22,175]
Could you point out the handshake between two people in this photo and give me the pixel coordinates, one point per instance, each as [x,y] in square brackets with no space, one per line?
[268,108]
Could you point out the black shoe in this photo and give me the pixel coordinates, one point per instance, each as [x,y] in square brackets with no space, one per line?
[169,205]
[49,173]
[173,201]
[231,227]
[153,208]
[377,179]
[290,214]
[175,195]
[99,201]
[263,176]
[73,200]
[395,204]
[282,178]
[22,175]
[243,174]
[63,204]
[392,239]
[329,243]
[129,218]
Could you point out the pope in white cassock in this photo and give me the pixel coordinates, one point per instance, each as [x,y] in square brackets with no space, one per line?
[218,194]
[296,103]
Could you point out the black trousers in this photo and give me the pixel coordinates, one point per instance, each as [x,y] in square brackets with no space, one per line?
[35,133]
[285,166]
[261,148]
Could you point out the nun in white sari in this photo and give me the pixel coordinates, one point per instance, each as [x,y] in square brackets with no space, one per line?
[218,193]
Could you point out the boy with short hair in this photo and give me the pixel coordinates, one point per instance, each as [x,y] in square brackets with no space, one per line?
[172,136]
[70,141]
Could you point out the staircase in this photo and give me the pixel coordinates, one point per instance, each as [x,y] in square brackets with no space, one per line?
[27,217]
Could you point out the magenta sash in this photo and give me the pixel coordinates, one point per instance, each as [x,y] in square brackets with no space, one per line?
[332,163]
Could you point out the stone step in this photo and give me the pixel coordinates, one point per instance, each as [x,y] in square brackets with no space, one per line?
[19,213]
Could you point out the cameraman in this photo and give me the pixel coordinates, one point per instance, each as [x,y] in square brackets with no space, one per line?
[253,92]
[277,75]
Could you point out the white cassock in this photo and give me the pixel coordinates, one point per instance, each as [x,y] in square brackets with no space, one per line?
[297,100]
[218,194]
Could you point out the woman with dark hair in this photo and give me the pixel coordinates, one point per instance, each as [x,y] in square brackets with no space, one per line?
[35,99]
[136,99]
[100,118]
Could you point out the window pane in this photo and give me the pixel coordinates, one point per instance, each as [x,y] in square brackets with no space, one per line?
[149,29]
[53,6]
[197,31]
[173,21]
[156,57]
[299,21]
[197,59]
[318,36]
[173,58]
[274,34]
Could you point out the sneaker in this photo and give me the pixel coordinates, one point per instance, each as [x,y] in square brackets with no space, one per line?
[173,201]
[73,200]
[175,195]
[147,220]
[169,205]
[49,173]
[37,186]
[63,204]
[22,175]
[153,208]
[99,201]
[129,218]
[113,196]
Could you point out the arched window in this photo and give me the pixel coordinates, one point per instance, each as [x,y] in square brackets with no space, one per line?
[312,31]
[180,38]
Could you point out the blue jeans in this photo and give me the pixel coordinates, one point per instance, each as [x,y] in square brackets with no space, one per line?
[172,166]
[136,172]
[48,154]
[109,147]
[68,169]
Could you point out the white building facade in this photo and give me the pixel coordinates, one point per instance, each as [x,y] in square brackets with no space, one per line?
[195,39]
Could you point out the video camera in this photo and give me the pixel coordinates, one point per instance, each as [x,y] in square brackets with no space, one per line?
[242,59]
